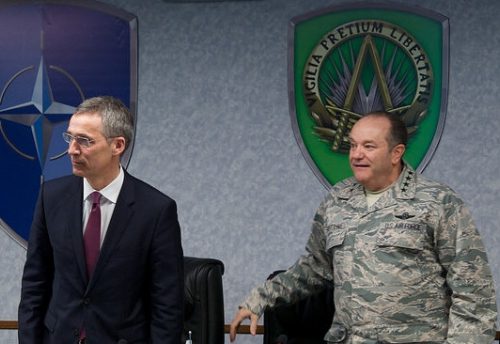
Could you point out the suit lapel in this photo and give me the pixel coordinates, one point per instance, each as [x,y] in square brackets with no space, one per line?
[118,224]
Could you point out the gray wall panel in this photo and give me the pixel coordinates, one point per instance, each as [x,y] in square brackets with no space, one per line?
[214,133]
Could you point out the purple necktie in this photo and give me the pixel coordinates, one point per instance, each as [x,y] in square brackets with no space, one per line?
[92,235]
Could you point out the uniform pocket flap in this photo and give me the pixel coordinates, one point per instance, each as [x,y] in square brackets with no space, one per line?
[335,238]
[403,236]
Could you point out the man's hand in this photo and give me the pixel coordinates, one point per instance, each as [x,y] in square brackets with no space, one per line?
[241,315]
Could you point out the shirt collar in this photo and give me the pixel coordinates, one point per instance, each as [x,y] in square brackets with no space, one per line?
[110,192]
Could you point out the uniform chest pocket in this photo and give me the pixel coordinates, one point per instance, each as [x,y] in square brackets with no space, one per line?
[341,258]
[403,235]
[398,254]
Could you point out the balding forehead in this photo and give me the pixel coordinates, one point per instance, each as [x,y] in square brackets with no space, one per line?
[370,129]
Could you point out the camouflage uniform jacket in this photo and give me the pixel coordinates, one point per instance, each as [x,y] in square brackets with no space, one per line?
[409,269]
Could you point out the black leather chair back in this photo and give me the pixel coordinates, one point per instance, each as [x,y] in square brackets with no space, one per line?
[204,300]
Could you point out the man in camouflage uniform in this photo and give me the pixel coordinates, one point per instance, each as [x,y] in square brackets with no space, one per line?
[406,261]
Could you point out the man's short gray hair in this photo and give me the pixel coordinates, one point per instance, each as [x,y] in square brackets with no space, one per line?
[116,117]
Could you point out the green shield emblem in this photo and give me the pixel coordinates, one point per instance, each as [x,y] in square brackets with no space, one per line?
[346,61]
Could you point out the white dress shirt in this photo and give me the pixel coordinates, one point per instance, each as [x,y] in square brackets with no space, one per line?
[108,201]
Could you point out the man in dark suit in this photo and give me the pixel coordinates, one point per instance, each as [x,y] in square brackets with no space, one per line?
[102,267]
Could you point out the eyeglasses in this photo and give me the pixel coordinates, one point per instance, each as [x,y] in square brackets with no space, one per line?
[82,141]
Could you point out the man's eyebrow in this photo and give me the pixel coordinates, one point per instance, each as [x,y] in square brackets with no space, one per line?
[362,141]
[78,135]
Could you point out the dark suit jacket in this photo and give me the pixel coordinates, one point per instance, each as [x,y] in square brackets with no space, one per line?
[136,292]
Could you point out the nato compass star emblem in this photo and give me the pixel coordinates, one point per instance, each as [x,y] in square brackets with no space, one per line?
[41,113]
[28,129]
[53,55]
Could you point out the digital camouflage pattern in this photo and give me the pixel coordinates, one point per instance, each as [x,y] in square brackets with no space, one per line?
[409,269]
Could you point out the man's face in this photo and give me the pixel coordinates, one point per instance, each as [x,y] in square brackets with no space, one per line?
[100,159]
[375,165]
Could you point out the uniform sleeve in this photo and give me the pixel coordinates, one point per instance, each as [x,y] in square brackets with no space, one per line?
[473,302]
[308,275]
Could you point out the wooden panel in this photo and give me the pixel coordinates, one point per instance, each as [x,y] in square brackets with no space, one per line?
[243,329]
[8,325]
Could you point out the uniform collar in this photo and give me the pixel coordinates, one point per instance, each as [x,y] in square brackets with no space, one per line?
[404,187]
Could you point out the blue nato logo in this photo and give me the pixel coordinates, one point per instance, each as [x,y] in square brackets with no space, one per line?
[54,55]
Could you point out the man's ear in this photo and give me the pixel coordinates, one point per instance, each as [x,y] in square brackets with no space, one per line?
[397,153]
[118,145]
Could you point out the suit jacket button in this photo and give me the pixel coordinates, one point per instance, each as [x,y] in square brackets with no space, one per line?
[86,301]
[76,332]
